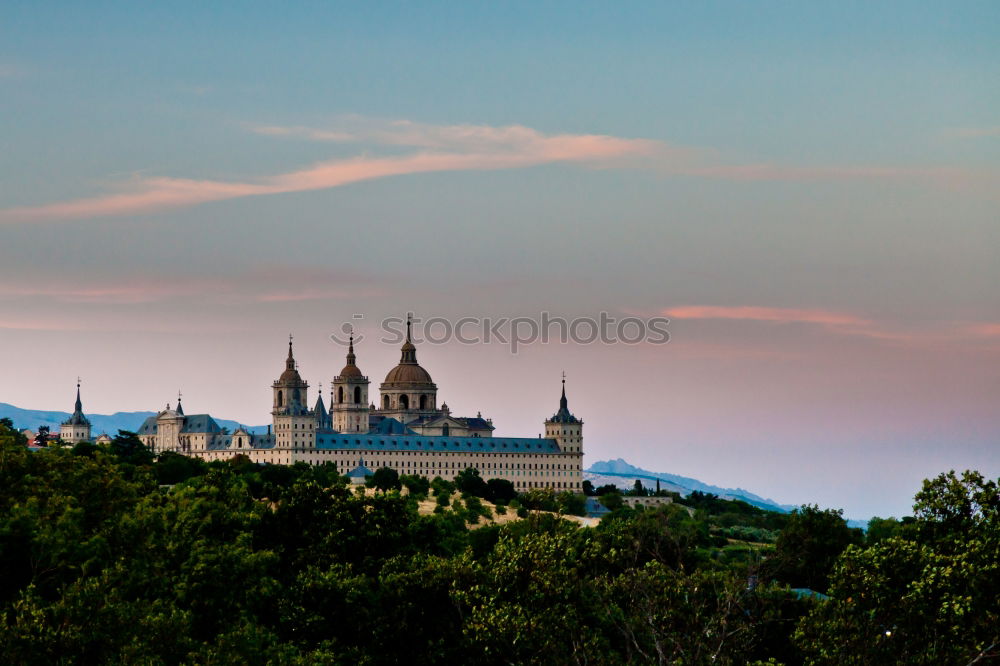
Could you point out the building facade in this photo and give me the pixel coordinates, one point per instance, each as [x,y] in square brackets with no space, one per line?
[405,430]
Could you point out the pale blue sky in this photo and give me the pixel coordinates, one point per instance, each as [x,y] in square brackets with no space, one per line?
[809,191]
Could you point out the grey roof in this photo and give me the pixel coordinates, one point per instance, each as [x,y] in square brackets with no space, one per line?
[360,472]
[77,418]
[390,426]
[378,442]
[223,442]
[564,415]
[200,423]
[196,423]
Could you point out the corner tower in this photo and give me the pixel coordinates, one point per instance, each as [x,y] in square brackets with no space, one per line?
[294,422]
[76,428]
[567,431]
[349,396]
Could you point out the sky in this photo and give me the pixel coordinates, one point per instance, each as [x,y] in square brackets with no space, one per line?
[809,192]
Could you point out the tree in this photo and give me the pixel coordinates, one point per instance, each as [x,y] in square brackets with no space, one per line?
[588,488]
[417,486]
[42,437]
[928,594]
[500,491]
[571,504]
[808,546]
[469,482]
[386,479]
[637,489]
[128,448]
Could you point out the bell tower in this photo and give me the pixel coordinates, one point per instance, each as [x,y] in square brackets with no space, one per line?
[294,422]
[349,396]
[77,427]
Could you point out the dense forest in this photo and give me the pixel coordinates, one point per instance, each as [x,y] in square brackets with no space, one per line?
[111,556]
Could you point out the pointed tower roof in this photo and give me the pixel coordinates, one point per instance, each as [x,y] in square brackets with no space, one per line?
[179,410]
[77,418]
[563,415]
[320,407]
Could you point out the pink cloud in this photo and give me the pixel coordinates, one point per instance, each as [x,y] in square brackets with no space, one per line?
[755,313]
[510,149]
[463,148]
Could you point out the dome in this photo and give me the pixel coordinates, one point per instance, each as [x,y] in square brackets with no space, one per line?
[408,373]
[351,370]
[290,375]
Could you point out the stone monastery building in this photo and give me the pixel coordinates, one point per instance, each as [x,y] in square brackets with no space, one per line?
[407,431]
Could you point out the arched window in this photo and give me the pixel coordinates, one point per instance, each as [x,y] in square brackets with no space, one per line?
[385,402]
[281,398]
[296,396]
[404,402]
[445,430]
[340,394]
[357,395]
[423,402]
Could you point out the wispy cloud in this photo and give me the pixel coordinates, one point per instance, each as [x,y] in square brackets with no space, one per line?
[842,323]
[442,148]
[10,71]
[522,148]
[755,313]
[973,132]
[279,284]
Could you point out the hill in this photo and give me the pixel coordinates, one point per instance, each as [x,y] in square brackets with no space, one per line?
[623,474]
[101,423]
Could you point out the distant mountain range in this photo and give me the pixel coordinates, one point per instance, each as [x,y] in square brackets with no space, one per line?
[100,423]
[622,474]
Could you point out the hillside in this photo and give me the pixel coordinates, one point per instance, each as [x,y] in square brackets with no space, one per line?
[101,423]
[624,474]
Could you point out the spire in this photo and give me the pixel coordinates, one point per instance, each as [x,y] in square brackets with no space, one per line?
[180,410]
[351,358]
[290,361]
[77,417]
[409,352]
[563,415]
[562,400]
[78,407]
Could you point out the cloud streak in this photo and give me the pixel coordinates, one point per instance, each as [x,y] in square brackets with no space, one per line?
[842,323]
[444,148]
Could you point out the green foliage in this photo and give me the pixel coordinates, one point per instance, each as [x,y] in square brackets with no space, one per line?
[500,491]
[417,486]
[930,594]
[571,504]
[808,547]
[468,482]
[108,559]
[386,479]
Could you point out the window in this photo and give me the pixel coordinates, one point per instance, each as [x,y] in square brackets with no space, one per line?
[357,395]
[340,394]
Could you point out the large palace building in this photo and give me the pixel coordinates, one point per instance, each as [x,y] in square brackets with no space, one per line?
[407,431]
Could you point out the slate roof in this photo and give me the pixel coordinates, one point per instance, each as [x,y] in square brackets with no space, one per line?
[406,442]
[360,472]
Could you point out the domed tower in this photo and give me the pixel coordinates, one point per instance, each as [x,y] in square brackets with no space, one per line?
[408,391]
[294,422]
[349,396]
[76,428]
